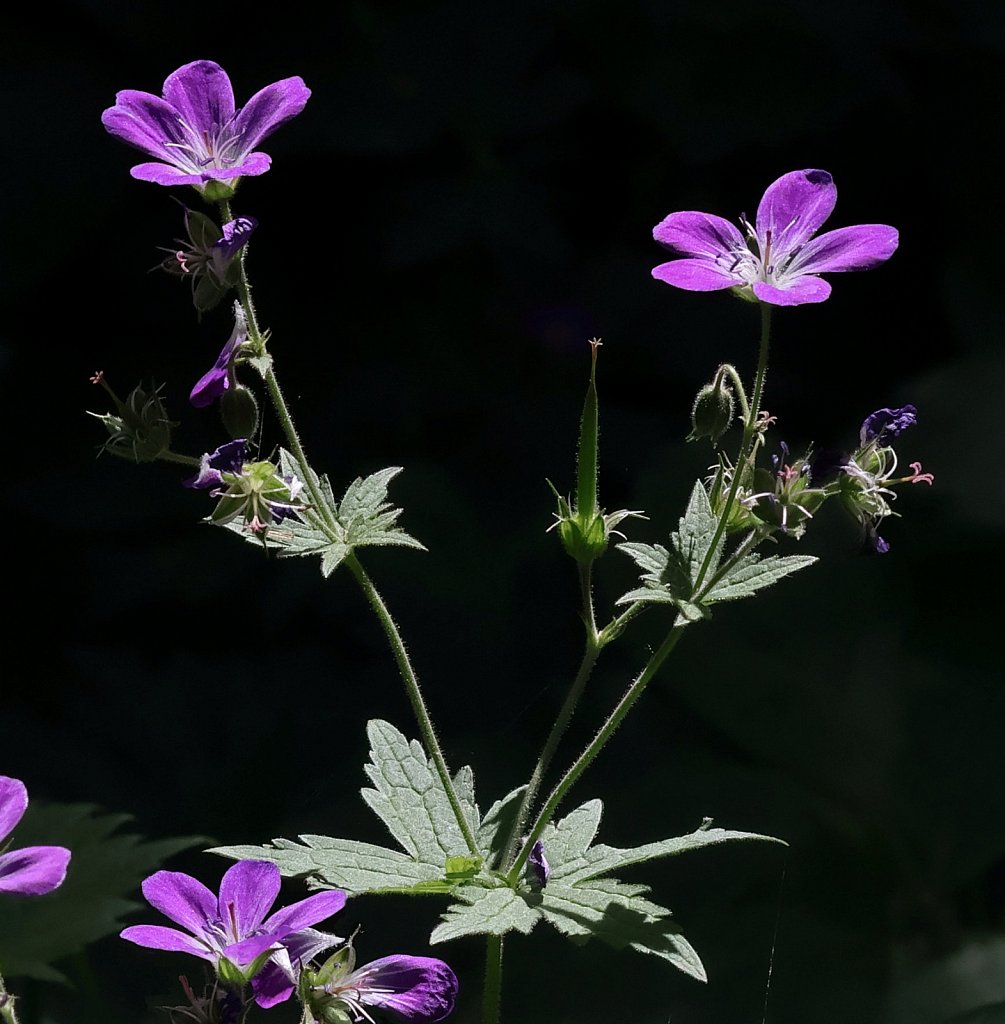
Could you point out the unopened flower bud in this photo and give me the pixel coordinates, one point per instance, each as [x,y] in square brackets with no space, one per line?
[239,412]
[712,411]
[585,540]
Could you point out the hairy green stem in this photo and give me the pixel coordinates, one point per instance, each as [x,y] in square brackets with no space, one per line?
[746,444]
[376,602]
[7,1012]
[729,370]
[181,460]
[411,681]
[596,745]
[492,992]
[590,654]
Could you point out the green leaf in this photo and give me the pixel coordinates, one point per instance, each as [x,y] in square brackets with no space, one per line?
[363,518]
[106,868]
[496,826]
[617,915]
[668,576]
[753,573]
[487,912]
[341,864]
[600,859]
[409,798]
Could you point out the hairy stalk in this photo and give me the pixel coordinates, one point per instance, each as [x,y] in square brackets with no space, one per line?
[590,655]
[376,602]
[414,695]
[7,1012]
[492,992]
[596,745]
[176,457]
[746,444]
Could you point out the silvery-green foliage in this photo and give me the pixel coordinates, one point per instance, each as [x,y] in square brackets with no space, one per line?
[106,868]
[580,899]
[670,576]
[363,518]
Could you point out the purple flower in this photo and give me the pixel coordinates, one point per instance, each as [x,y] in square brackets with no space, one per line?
[212,384]
[234,925]
[416,989]
[207,258]
[539,863]
[195,132]
[34,870]
[777,259]
[883,423]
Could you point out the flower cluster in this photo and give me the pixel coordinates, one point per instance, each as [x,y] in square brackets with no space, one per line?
[272,953]
[253,491]
[33,870]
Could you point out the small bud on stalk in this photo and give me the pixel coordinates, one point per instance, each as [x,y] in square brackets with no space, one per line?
[713,410]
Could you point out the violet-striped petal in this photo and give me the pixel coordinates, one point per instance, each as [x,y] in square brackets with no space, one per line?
[182,898]
[13,804]
[34,870]
[268,109]
[801,291]
[234,237]
[853,248]
[696,275]
[698,234]
[164,174]
[415,988]
[793,208]
[247,949]
[247,892]
[305,913]
[145,121]
[155,936]
[202,94]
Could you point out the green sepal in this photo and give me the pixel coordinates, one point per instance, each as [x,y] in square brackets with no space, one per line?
[232,975]
[216,191]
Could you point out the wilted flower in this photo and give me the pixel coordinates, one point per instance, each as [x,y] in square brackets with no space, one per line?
[887,422]
[195,132]
[207,259]
[33,870]
[777,259]
[254,491]
[415,989]
[538,863]
[783,497]
[215,381]
[867,477]
[233,927]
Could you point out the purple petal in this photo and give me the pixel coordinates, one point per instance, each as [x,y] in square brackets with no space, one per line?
[202,94]
[243,952]
[13,804]
[155,936]
[228,458]
[696,275]
[276,981]
[182,898]
[310,911]
[416,988]
[247,892]
[145,121]
[699,234]
[796,293]
[854,248]
[268,109]
[793,208]
[165,174]
[34,870]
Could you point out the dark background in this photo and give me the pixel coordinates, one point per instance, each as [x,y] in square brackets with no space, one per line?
[467,198]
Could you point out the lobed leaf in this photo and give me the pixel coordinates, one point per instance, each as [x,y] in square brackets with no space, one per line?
[487,912]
